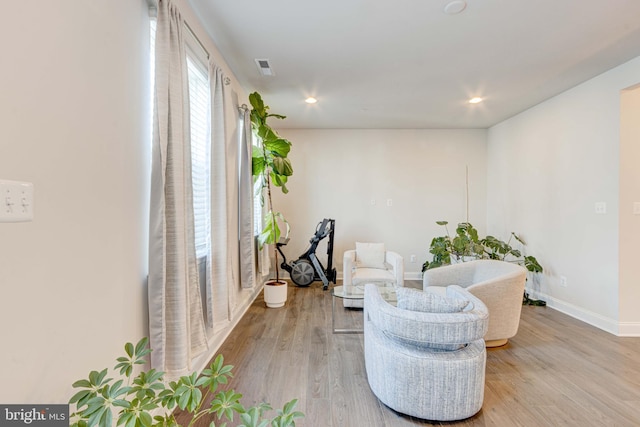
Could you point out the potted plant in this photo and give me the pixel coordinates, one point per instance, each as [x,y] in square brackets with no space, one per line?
[466,246]
[119,398]
[270,166]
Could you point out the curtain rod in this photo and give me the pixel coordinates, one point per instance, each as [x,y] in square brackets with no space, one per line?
[197,39]
[153,13]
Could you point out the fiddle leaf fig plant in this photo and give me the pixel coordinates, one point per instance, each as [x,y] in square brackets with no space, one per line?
[270,165]
[132,401]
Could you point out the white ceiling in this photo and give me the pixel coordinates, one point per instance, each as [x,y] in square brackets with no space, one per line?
[407,64]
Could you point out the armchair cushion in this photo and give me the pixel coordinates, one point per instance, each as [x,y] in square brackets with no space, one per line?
[428,301]
[370,255]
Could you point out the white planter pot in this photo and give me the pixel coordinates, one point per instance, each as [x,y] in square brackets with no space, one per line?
[275,293]
[457,260]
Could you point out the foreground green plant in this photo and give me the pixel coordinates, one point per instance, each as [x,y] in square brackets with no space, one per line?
[131,401]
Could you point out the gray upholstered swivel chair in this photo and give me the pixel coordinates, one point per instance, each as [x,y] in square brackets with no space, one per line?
[499,284]
[425,364]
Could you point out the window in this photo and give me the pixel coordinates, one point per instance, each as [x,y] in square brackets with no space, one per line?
[258,198]
[199,94]
[152,69]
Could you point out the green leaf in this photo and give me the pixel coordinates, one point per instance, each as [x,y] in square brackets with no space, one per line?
[282,166]
[279,181]
[288,407]
[257,165]
[141,346]
[286,416]
[531,264]
[278,146]
[80,396]
[277,116]
[81,383]
[271,232]
[442,222]
[265,133]
[97,378]
[256,102]
[128,347]
[515,236]
[226,403]
[146,419]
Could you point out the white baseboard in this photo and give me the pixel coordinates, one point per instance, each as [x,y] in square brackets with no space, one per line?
[621,329]
[413,275]
[629,329]
[215,342]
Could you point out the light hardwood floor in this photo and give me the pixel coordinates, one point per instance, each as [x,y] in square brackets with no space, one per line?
[557,371]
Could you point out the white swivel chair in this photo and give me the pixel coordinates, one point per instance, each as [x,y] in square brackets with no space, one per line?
[370,263]
[499,284]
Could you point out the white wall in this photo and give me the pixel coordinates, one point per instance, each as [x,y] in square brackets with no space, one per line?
[338,173]
[75,123]
[75,110]
[547,167]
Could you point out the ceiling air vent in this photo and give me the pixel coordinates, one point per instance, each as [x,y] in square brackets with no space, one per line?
[264,67]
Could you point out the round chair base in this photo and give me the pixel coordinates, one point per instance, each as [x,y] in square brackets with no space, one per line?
[496,343]
[435,385]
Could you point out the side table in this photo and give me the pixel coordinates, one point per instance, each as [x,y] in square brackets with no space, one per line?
[356,292]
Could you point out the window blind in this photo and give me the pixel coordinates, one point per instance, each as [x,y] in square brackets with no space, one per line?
[199,94]
[258,197]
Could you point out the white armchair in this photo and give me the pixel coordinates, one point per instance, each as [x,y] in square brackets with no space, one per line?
[370,263]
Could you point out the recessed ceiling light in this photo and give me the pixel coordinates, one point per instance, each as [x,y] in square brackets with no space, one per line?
[475,100]
[311,100]
[455,7]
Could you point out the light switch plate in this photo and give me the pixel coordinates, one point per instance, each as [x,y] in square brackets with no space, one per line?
[16,201]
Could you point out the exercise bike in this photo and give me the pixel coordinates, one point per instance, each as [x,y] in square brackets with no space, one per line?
[308,268]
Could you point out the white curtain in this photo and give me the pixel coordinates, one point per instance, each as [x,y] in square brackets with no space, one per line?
[245,208]
[219,261]
[176,318]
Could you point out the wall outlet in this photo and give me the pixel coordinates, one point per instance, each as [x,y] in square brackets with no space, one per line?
[563,281]
[16,201]
[413,258]
[601,207]
[389,202]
